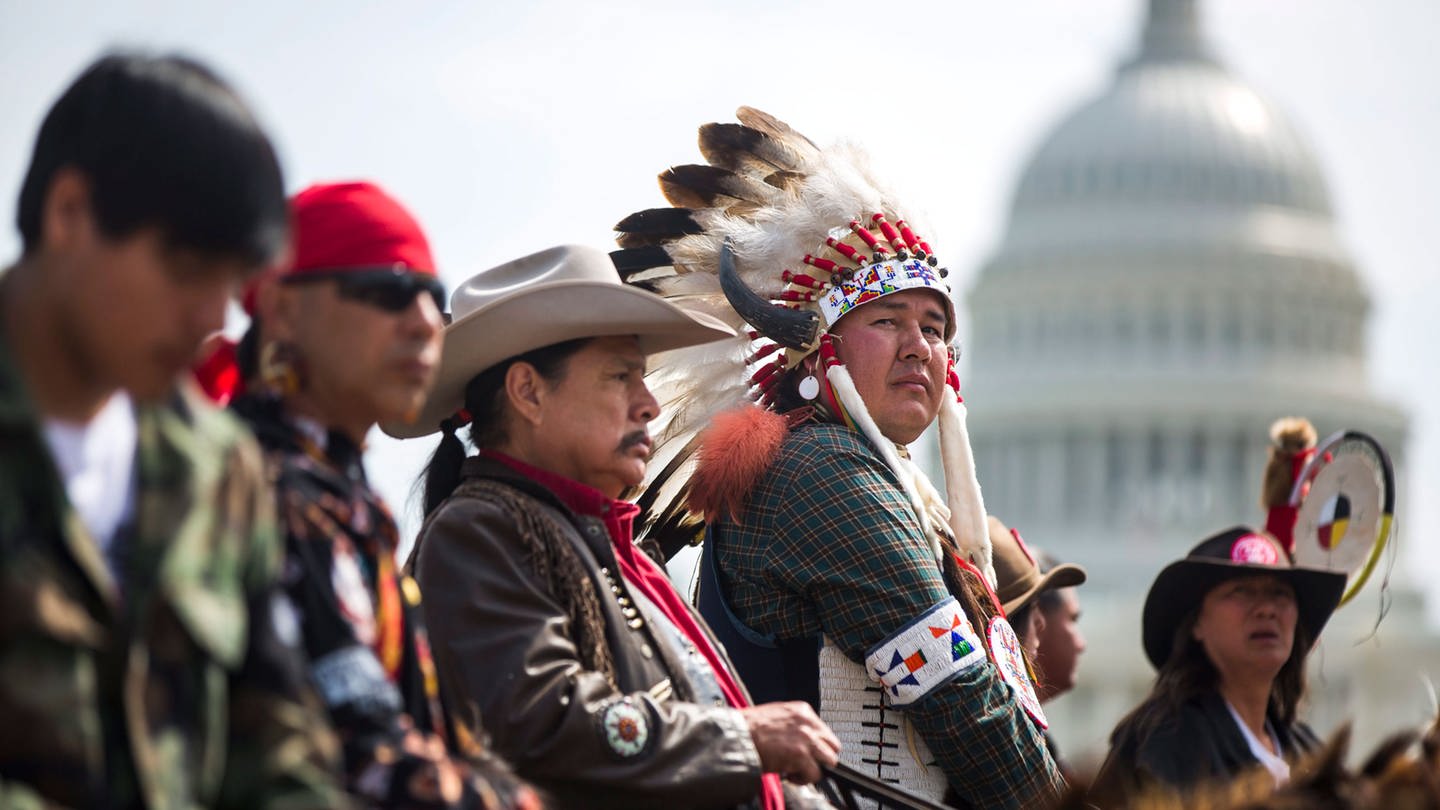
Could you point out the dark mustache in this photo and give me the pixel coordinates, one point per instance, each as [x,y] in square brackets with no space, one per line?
[632,439]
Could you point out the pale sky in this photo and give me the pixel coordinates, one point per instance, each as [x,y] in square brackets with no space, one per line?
[511,127]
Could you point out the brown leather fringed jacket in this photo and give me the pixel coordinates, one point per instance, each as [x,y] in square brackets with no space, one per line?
[596,722]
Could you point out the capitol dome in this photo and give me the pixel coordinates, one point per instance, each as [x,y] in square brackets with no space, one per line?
[1170,280]
[1176,150]
[1175,128]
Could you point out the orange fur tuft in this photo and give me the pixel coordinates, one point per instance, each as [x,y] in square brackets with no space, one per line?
[1288,437]
[735,451]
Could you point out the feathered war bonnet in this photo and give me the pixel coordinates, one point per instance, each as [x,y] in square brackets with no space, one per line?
[780,239]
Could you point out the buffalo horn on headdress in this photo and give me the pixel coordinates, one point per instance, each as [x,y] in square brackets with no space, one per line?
[791,328]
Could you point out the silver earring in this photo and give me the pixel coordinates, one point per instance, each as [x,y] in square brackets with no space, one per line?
[809,387]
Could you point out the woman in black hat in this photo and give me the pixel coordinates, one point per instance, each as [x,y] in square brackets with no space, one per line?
[1229,628]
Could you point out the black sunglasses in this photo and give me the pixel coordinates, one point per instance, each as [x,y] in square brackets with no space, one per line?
[389,289]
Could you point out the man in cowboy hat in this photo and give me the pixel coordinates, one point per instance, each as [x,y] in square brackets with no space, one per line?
[141,662]
[833,569]
[348,334]
[554,633]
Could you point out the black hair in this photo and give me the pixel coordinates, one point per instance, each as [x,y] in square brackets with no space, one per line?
[163,142]
[1188,673]
[1050,601]
[485,402]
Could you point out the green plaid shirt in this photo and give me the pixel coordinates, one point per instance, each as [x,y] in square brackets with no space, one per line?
[828,543]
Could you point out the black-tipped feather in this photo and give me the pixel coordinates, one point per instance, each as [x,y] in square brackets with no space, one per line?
[743,149]
[754,164]
[784,180]
[639,259]
[660,220]
[733,147]
[675,530]
[646,501]
[772,126]
[695,186]
[671,524]
[639,240]
[656,226]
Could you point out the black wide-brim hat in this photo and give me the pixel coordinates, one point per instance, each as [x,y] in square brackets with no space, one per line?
[1233,553]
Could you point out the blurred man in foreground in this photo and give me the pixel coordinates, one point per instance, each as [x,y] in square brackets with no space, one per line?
[141,663]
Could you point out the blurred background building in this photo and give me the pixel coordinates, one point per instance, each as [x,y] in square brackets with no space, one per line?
[1171,280]
[1170,277]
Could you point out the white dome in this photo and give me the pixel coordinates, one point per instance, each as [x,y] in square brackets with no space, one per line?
[1175,152]
[1170,280]
[1174,132]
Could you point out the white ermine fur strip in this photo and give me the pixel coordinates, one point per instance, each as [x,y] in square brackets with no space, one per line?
[934,503]
[967,507]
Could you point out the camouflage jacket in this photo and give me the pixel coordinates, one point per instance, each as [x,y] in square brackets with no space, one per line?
[179,690]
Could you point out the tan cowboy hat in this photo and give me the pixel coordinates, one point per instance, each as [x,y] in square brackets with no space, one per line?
[1017,573]
[563,293]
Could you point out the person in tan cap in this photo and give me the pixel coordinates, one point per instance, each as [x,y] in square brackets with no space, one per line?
[554,633]
[1061,641]
[1020,586]
[1019,583]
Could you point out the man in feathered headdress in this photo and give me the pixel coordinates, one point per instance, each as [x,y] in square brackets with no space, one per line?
[833,568]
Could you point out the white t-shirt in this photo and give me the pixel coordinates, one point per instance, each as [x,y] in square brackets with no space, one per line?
[1274,763]
[97,463]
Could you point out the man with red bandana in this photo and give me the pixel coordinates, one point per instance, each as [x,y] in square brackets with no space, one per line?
[347,335]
